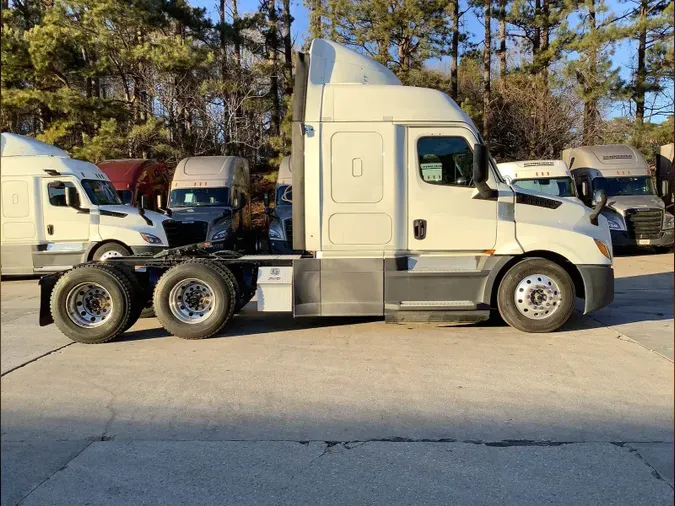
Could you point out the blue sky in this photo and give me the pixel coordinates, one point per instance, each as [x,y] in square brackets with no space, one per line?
[623,56]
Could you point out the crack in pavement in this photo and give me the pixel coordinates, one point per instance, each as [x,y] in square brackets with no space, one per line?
[35,359]
[23,499]
[654,472]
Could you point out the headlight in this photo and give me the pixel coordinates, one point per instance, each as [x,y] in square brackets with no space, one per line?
[614,224]
[275,234]
[219,236]
[668,221]
[152,239]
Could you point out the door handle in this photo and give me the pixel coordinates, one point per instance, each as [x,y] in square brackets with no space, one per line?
[420,229]
[50,229]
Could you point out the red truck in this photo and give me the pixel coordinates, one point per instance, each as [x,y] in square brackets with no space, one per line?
[133,178]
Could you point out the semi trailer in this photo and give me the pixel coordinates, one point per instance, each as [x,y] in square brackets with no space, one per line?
[401,213]
[58,212]
[551,177]
[665,175]
[635,213]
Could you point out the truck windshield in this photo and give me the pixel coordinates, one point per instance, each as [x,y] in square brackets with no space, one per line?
[200,197]
[125,196]
[556,186]
[101,193]
[285,195]
[617,186]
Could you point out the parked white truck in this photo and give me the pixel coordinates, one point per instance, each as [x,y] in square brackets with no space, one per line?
[210,197]
[58,212]
[635,213]
[551,177]
[404,215]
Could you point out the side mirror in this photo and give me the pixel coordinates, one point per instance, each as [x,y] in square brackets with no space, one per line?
[480,163]
[600,199]
[72,197]
[143,202]
[664,187]
[159,199]
[585,189]
[266,199]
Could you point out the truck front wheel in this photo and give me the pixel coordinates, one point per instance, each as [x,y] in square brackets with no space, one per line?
[194,300]
[536,295]
[109,250]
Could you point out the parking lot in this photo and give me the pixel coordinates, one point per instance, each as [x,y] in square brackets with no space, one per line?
[284,411]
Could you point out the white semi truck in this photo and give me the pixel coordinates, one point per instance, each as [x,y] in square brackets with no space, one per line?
[551,177]
[635,213]
[210,197]
[402,211]
[58,212]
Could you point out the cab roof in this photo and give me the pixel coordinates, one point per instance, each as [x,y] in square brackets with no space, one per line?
[285,172]
[345,85]
[126,172]
[20,145]
[209,171]
[529,169]
[611,160]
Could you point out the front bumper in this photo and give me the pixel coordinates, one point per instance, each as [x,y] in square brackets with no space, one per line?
[598,286]
[621,238]
[147,250]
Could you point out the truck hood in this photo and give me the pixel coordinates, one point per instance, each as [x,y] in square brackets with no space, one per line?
[623,203]
[132,217]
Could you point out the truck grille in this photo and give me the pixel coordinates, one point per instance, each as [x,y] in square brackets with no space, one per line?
[179,233]
[288,227]
[644,224]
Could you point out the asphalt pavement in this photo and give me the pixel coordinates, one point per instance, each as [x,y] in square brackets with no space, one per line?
[283,411]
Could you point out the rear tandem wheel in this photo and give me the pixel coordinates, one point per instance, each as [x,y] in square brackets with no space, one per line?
[195,299]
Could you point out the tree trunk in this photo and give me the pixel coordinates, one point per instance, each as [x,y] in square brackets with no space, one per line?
[545,60]
[486,69]
[536,38]
[272,58]
[235,35]
[502,38]
[454,48]
[223,42]
[315,25]
[288,49]
[641,71]
[591,111]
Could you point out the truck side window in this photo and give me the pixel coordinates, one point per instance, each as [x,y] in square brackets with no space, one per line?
[445,161]
[57,193]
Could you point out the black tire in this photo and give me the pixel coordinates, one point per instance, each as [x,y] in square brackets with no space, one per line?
[506,300]
[110,248]
[139,297]
[121,295]
[219,279]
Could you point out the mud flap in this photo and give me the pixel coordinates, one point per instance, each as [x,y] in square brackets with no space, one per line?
[46,286]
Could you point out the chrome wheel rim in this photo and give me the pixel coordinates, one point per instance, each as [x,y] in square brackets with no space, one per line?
[191,300]
[89,305]
[110,254]
[538,297]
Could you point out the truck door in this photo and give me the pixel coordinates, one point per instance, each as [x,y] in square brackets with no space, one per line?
[443,213]
[67,230]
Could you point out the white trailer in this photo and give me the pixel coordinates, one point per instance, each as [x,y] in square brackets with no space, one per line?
[58,212]
[402,211]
